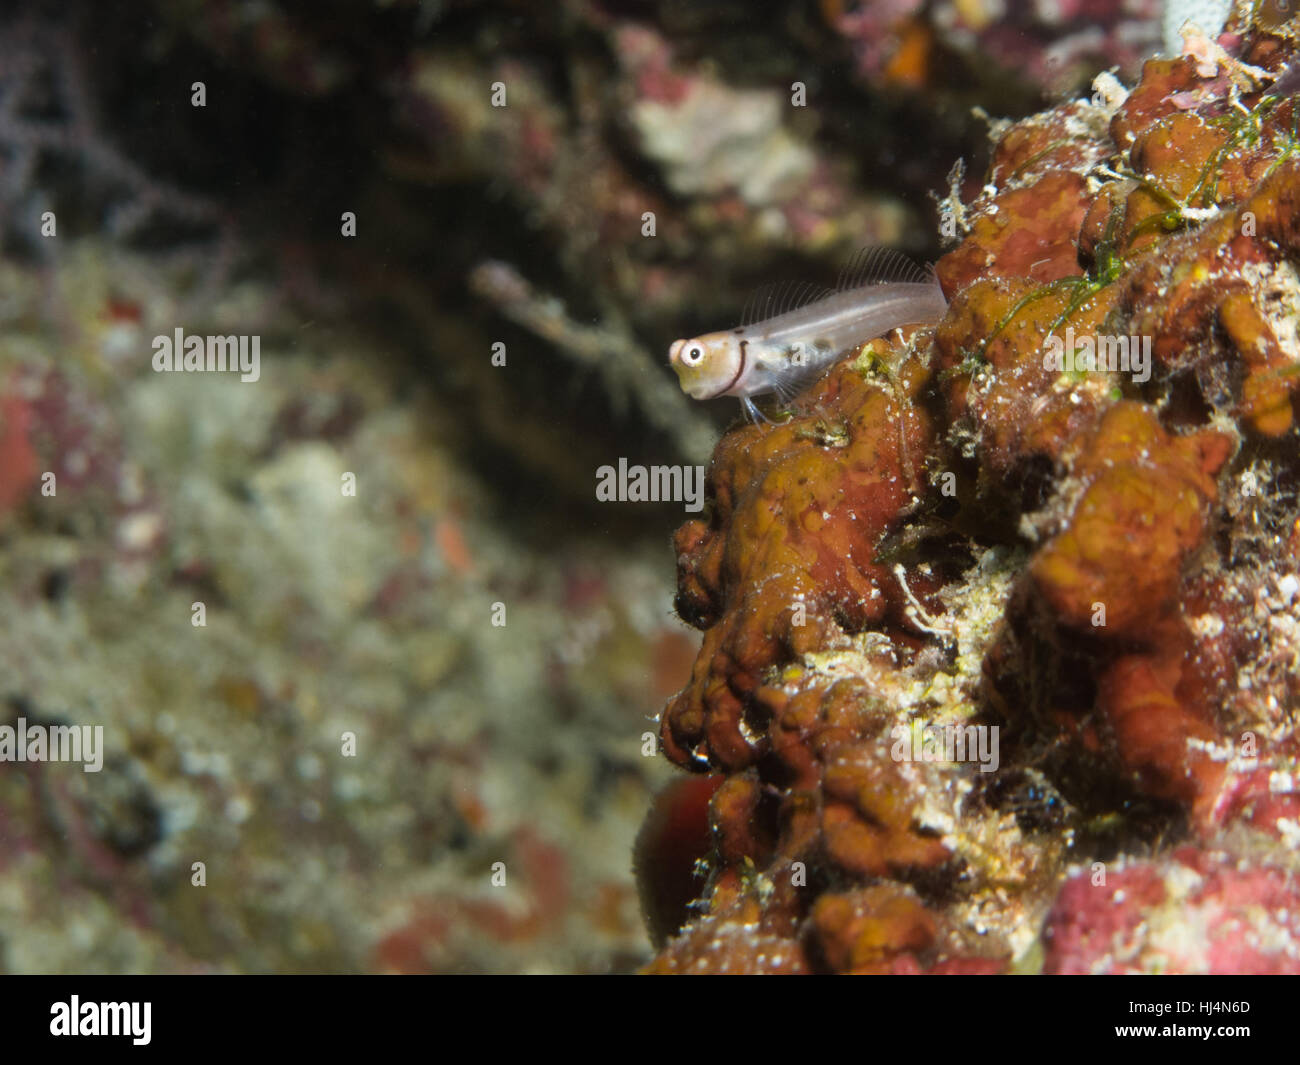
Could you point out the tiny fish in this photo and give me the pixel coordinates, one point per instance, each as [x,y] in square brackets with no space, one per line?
[790,334]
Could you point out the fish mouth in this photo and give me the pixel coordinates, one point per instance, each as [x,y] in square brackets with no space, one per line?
[744,354]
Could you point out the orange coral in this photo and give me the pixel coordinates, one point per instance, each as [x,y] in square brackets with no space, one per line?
[1124,646]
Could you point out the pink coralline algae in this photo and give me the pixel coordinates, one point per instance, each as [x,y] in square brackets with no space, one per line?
[1191,911]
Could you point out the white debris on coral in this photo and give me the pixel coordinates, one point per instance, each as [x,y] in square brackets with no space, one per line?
[1207,16]
[717,139]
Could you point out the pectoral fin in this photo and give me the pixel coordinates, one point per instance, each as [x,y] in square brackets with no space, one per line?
[795,371]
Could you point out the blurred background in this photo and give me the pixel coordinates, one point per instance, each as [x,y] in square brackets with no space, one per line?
[465,234]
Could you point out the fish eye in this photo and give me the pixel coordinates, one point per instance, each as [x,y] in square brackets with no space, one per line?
[692,356]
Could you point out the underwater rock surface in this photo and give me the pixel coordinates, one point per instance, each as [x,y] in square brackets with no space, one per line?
[342,737]
[1067,513]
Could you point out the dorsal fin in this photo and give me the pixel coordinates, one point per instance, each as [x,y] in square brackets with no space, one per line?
[872,265]
[768,301]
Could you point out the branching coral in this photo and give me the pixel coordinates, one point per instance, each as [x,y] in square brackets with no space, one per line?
[46,110]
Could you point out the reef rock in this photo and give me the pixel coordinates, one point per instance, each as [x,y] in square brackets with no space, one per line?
[1002,625]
